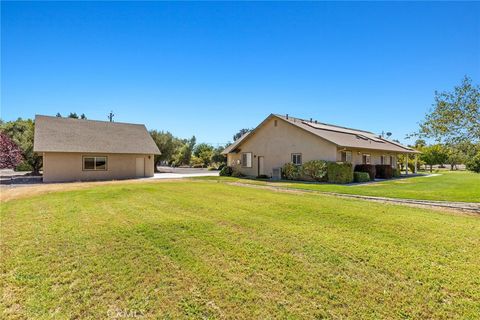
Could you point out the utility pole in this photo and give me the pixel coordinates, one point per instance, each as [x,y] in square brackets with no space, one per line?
[110,116]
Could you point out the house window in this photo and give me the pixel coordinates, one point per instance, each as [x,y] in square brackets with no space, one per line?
[297,159]
[382,159]
[94,163]
[346,156]
[247,159]
[366,158]
[391,160]
[275,123]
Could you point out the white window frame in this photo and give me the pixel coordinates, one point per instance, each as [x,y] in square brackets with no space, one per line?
[248,163]
[382,159]
[347,154]
[295,157]
[94,163]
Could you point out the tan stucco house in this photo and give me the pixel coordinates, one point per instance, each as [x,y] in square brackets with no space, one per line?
[82,150]
[283,139]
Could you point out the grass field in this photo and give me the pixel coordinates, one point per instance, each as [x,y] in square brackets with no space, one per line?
[210,250]
[448,186]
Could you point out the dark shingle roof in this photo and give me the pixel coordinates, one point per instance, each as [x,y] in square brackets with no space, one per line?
[55,134]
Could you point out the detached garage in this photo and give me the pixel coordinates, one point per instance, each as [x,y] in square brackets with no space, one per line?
[85,150]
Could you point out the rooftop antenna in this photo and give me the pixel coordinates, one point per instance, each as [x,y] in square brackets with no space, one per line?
[110,116]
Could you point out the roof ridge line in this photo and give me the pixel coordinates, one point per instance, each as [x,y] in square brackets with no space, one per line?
[91,120]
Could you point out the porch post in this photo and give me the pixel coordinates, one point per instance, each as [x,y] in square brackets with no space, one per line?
[406,164]
[415,169]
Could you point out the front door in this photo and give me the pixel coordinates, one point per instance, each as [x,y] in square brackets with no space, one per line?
[140,167]
[261,170]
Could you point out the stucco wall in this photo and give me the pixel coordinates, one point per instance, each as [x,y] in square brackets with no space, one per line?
[61,167]
[277,143]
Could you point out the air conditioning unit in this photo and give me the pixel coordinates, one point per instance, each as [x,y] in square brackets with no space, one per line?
[277,173]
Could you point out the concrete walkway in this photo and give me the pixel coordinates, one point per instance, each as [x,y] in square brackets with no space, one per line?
[471,207]
[184,175]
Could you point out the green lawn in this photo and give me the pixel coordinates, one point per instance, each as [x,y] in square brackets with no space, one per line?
[210,250]
[448,186]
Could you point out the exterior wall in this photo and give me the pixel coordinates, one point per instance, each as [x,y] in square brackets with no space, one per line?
[374,156]
[277,143]
[62,167]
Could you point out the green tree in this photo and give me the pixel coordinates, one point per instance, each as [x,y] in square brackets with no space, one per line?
[455,116]
[240,133]
[58,115]
[22,133]
[204,152]
[218,157]
[473,164]
[184,154]
[434,154]
[168,145]
[83,116]
[73,115]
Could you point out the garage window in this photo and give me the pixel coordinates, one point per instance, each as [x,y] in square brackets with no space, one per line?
[94,163]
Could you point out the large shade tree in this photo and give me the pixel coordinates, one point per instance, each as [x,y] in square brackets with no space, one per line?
[10,153]
[21,132]
[168,145]
[455,116]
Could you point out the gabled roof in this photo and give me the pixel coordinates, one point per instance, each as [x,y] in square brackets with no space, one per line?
[56,134]
[340,136]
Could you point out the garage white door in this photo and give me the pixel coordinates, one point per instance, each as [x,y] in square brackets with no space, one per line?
[139,167]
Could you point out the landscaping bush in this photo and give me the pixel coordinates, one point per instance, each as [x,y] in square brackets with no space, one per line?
[474,163]
[383,171]
[366,168]
[237,174]
[226,171]
[291,171]
[339,172]
[361,176]
[315,169]
[263,176]
[24,166]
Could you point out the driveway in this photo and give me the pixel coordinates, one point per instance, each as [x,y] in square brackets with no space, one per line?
[166,175]
[178,173]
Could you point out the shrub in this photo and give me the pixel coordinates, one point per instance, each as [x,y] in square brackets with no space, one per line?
[226,171]
[383,171]
[474,163]
[361,176]
[315,169]
[263,176]
[237,174]
[291,171]
[339,172]
[366,168]
[24,166]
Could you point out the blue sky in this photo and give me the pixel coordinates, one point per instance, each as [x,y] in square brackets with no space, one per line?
[209,69]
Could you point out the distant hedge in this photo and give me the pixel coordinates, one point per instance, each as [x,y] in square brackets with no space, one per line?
[339,172]
[370,168]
